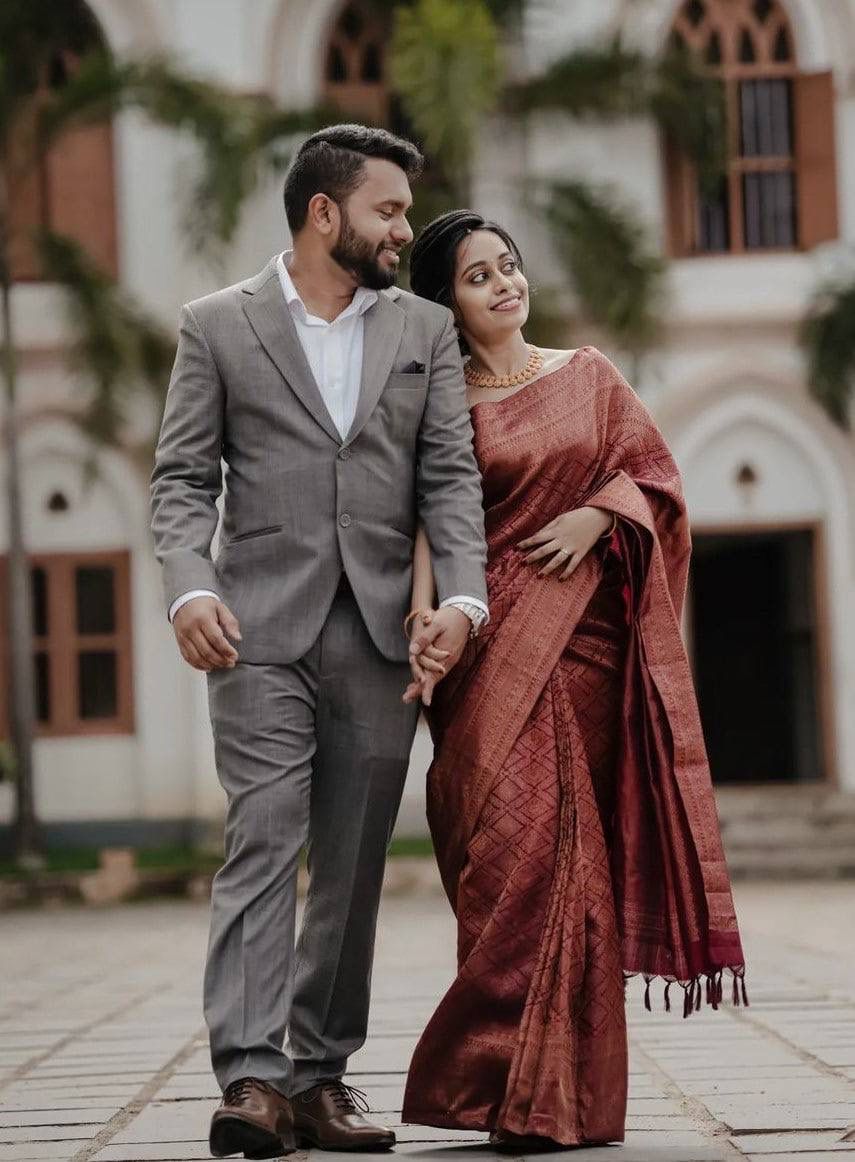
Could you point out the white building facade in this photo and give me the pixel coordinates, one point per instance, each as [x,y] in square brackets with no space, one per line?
[124,752]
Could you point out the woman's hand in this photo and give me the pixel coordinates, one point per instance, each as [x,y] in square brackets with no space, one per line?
[428,663]
[566,540]
[437,640]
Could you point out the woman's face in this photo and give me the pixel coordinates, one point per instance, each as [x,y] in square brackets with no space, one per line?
[490,290]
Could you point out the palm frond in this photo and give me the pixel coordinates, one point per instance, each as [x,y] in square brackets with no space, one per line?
[500,10]
[98,88]
[119,346]
[240,137]
[689,106]
[616,274]
[590,81]
[445,69]
[32,33]
[828,337]
[612,82]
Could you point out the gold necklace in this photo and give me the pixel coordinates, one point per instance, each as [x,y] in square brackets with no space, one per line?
[484,379]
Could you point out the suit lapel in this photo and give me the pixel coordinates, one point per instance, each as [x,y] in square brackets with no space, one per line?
[270,318]
[384,326]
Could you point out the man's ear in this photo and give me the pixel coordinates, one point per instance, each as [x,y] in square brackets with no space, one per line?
[323,213]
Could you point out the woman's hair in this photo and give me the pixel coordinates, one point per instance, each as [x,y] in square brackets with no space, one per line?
[434,255]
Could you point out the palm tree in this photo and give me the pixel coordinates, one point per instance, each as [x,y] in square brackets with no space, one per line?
[446,71]
[445,68]
[122,349]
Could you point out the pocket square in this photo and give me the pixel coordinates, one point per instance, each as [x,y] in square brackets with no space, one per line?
[414,368]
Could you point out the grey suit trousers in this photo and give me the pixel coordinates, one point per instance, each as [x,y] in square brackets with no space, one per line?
[314,754]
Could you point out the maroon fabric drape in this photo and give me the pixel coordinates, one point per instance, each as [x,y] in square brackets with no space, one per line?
[569,799]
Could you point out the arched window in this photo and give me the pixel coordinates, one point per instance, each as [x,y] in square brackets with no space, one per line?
[779,191]
[354,73]
[71,189]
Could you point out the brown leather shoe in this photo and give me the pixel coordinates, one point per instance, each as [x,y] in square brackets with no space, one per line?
[329,1116]
[253,1118]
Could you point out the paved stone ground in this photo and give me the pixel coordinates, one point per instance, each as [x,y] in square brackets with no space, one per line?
[103,1054]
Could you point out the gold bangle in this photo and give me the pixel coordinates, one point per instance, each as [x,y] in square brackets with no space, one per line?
[607,534]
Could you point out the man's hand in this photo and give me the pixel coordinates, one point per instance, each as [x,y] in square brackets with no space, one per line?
[200,630]
[445,634]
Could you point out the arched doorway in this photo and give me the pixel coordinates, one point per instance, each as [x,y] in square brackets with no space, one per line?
[768,586]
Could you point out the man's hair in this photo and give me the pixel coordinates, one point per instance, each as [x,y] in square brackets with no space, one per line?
[332,162]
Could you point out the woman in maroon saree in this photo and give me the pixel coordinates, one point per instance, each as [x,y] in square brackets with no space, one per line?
[569,799]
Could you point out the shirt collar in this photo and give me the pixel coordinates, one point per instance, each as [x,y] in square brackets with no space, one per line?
[362,300]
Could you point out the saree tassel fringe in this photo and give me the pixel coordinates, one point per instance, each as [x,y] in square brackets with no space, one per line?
[740,993]
[706,987]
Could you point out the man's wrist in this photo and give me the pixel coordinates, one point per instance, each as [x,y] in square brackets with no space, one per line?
[190,595]
[473,609]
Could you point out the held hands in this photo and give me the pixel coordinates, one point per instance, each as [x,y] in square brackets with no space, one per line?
[437,640]
[566,540]
[200,629]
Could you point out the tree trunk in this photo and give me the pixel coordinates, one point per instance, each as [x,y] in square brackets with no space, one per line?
[21,672]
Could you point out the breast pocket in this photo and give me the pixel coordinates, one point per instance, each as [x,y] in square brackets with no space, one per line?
[407,381]
[403,403]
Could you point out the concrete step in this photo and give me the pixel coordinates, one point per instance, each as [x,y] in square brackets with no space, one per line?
[787,831]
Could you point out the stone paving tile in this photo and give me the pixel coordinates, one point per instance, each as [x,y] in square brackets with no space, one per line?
[784,1118]
[116,1100]
[27,1134]
[156,1152]
[794,1143]
[31,1151]
[170,1122]
[776,1116]
[54,1117]
[89,1083]
[776,1090]
[785,1064]
[797,1156]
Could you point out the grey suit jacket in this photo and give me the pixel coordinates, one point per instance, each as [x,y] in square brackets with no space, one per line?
[301,505]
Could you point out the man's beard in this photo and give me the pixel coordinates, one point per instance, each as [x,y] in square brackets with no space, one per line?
[355,255]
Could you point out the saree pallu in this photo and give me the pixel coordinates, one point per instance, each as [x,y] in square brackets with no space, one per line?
[569,799]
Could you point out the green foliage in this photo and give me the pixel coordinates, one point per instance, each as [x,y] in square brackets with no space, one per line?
[588,81]
[828,335]
[548,324]
[32,32]
[501,10]
[119,346]
[612,82]
[241,138]
[689,106]
[617,277]
[445,68]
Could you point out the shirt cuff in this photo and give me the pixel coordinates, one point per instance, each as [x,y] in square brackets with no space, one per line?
[185,597]
[474,609]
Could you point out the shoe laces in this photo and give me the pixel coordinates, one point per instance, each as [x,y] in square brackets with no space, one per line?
[238,1091]
[347,1098]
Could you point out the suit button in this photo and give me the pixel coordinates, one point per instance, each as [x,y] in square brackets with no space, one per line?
[344,453]
[345,520]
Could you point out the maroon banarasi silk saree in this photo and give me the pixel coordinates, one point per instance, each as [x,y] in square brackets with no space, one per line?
[569,799]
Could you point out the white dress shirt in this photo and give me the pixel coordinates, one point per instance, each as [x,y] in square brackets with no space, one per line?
[334,354]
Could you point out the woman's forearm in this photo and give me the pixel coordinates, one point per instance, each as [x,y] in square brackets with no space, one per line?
[423,582]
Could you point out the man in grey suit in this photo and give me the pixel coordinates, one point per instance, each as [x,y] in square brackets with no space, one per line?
[337,404]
